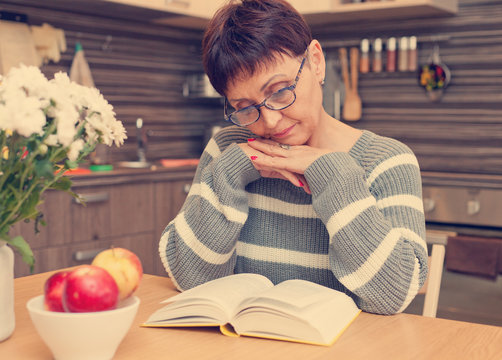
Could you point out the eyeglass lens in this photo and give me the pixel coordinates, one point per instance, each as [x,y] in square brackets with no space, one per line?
[277,101]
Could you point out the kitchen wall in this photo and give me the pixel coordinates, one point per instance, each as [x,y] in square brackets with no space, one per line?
[143,70]
[463,132]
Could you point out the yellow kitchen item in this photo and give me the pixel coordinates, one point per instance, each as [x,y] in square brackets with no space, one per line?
[80,71]
[352,106]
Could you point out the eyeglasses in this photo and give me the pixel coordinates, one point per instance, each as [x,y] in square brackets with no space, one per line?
[279,100]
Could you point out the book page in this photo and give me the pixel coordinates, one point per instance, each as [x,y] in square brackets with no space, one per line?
[226,292]
[294,294]
[299,310]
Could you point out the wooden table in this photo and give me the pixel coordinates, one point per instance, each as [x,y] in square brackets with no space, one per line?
[371,336]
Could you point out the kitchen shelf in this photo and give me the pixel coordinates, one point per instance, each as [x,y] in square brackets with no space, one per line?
[384,10]
[334,14]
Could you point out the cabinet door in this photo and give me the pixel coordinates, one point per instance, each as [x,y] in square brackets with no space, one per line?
[56,214]
[144,245]
[132,209]
[169,198]
[112,211]
[91,219]
[179,192]
[55,210]
[57,257]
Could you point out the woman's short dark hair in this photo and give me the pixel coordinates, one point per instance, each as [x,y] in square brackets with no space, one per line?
[250,33]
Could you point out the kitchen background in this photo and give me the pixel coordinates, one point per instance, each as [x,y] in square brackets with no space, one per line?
[143,68]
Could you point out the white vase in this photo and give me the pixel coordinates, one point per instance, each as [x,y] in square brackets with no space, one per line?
[7,320]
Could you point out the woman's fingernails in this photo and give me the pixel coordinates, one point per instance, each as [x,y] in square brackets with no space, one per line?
[301,184]
[255,157]
[251,139]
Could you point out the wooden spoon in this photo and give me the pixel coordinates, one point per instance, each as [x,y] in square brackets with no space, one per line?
[352,106]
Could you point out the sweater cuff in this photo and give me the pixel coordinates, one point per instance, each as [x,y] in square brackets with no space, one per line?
[237,166]
[338,167]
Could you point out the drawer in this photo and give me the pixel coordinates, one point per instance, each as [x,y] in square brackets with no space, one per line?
[91,219]
[55,209]
[111,211]
[457,205]
[169,198]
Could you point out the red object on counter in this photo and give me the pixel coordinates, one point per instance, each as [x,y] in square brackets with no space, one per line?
[77,171]
[178,162]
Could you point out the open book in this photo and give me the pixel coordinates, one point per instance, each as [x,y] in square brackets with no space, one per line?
[250,305]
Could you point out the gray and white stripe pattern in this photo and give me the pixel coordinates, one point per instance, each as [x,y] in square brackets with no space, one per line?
[361,231]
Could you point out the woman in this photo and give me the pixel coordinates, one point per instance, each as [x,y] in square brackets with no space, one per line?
[290,192]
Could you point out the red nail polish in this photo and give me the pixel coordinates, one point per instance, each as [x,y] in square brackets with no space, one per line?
[301,184]
[254,157]
[251,139]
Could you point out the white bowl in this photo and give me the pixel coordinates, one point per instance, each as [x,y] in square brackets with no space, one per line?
[83,336]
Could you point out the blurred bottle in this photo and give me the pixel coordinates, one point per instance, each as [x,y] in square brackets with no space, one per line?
[391,54]
[412,54]
[377,55]
[364,62]
[403,54]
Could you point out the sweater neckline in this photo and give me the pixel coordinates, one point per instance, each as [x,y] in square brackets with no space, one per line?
[361,144]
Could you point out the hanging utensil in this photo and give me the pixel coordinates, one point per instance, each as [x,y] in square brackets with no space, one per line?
[339,94]
[352,106]
[328,88]
[434,76]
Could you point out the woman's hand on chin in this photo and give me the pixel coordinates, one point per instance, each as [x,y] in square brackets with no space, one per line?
[294,158]
[264,163]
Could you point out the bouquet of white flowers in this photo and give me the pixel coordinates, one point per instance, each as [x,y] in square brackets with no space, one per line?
[46,128]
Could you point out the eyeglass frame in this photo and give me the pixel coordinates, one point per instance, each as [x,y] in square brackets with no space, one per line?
[292,87]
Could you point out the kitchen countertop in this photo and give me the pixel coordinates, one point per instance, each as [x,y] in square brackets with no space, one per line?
[120,175]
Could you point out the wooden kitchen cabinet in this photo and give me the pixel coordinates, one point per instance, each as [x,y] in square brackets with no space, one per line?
[126,211]
[169,198]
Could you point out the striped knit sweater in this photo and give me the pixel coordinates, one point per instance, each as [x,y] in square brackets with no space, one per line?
[361,231]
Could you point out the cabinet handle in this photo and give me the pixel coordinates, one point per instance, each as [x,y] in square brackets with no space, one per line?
[186,188]
[92,198]
[429,205]
[85,255]
[473,207]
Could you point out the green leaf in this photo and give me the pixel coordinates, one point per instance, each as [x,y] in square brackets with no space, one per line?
[44,169]
[63,183]
[22,247]
[28,208]
[71,164]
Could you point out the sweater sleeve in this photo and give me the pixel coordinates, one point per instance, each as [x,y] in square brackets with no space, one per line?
[199,244]
[375,220]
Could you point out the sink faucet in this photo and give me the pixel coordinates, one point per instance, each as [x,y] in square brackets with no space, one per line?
[141,143]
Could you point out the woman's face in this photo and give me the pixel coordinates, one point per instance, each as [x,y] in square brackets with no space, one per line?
[296,124]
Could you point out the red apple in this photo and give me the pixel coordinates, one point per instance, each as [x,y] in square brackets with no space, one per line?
[124,266]
[90,288]
[53,291]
